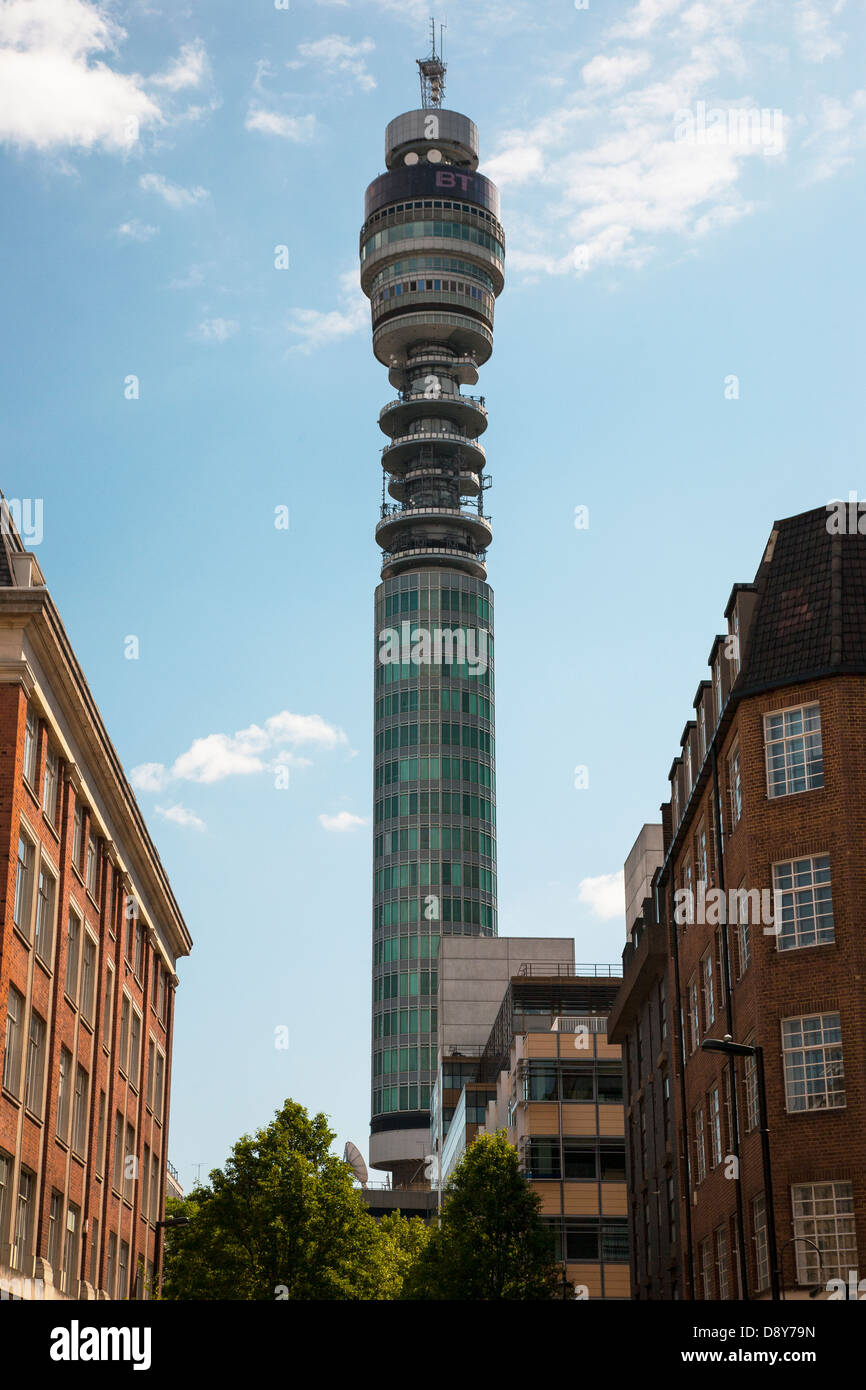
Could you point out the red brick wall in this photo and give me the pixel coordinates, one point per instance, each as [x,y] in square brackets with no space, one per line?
[813,1146]
[35,1141]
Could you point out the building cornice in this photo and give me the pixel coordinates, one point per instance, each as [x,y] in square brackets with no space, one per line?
[45,645]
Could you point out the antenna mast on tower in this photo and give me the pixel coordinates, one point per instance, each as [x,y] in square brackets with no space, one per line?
[432,71]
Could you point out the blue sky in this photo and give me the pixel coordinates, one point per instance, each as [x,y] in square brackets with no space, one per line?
[152,159]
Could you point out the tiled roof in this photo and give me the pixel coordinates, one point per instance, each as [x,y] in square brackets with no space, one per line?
[811,613]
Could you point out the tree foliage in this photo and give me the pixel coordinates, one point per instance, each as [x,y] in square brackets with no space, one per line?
[283,1220]
[491,1242]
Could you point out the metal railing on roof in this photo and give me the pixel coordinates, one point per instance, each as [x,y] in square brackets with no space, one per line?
[566,968]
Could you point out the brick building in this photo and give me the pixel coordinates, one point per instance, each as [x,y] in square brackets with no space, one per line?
[89,940]
[761,891]
[640,1022]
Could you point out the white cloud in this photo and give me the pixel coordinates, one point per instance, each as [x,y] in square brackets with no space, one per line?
[297,128]
[179,815]
[612,170]
[604,895]
[338,54]
[641,20]
[133,230]
[149,777]
[838,132]
[51,94]
[812,25]
[215,757]
[316,328]
[342,821]
[215,330]
[612,73]
[172,193]
[187,70]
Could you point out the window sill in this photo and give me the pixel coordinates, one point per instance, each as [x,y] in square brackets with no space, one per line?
[50,826]
[40,961]
[10,1096]
[790,951]
[32,1116]
[784,796]
[30,788]
[22,936]
[817,1110]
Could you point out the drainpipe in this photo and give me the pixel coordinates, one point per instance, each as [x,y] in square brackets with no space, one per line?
[729,1012]
[676,1023]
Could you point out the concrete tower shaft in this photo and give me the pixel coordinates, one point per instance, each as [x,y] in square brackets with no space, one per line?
[432,263]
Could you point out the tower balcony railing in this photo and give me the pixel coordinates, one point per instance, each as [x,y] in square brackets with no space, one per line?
[392,511]
[390,557]
[444,398]
[417,440]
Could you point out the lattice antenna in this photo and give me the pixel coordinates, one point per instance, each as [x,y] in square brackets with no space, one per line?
[432,71]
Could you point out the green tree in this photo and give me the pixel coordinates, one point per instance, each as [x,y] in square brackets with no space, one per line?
[491,1242]
[283,1220]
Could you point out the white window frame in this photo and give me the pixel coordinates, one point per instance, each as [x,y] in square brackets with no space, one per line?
[34,1075]
[813,769]
[761,1240]
[708,990]
[694,1015]
[801,1056]
[71,987]
[735,785]
[22,912]
[789,899]
[823,1212]
[714,1116]
[700,1144]
[31,746]
[88,1007]
[65,1086]
[46,871]
[721,1250]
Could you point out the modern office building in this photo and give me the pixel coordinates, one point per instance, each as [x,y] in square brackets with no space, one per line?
[761,894]
[549,1076]
[432,252]
[474,974]
[89,938]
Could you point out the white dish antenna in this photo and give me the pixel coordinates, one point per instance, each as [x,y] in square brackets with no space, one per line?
[355,1159]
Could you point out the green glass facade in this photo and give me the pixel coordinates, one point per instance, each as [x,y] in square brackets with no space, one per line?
[434,862]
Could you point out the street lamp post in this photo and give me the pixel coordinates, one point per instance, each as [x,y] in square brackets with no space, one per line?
[732,1049]
[804,1240]
[167,1224]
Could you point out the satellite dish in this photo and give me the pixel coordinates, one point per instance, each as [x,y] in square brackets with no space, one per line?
[355,1159]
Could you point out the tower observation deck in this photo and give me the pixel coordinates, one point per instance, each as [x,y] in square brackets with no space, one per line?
[432,255]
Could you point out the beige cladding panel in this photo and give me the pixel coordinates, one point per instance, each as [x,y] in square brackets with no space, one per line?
[617,1281]
[614,1199]
[548,1193]
[611,1119]
[580,1198]
[540,1045]
[578,1119]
